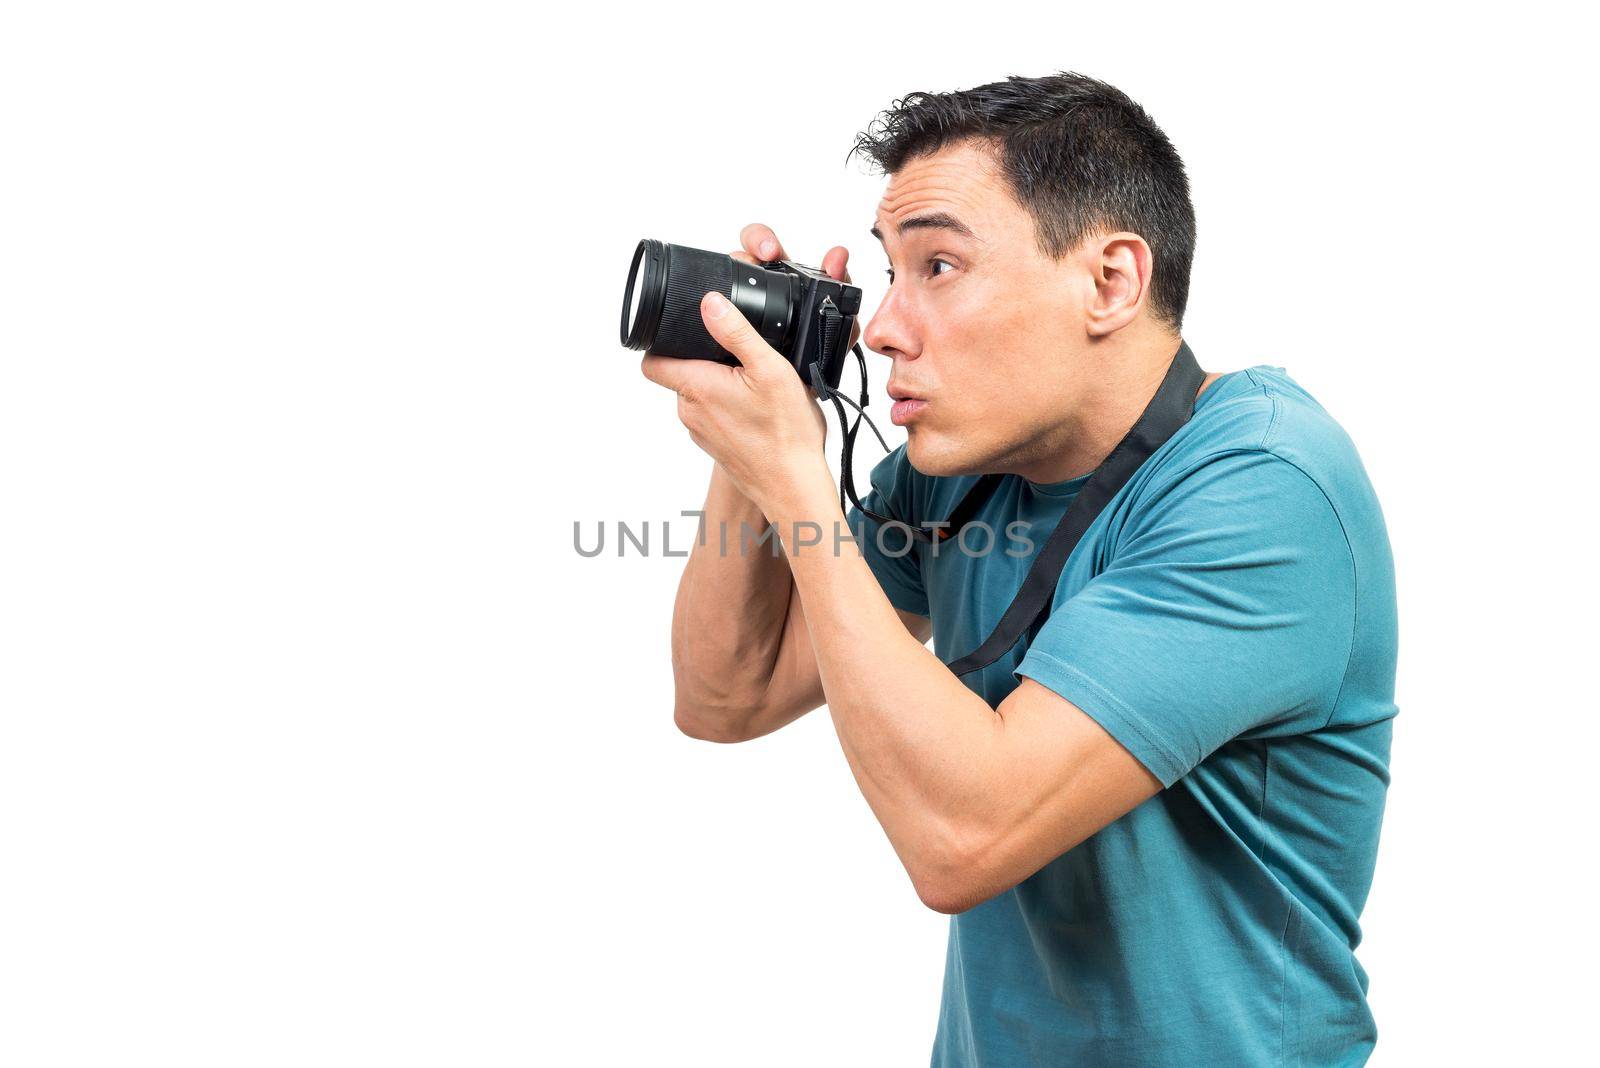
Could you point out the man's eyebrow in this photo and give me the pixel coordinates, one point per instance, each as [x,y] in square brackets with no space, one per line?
[939,220]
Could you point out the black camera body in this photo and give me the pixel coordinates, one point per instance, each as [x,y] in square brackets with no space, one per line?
[798,310]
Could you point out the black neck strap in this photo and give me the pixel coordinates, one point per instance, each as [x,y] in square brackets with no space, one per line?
[1168,410]
[1166,413]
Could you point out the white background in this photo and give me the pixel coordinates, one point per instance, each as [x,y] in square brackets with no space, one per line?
[322,745]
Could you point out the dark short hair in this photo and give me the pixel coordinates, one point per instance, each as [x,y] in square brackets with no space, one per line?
[1079,154]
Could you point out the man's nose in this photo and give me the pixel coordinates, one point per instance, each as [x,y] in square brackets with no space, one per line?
[886,333]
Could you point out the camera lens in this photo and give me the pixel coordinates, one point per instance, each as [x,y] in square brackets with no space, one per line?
[661,305]
[630,314]
[641,304]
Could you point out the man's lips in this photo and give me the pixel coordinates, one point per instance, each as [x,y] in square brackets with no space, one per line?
[906,405]
[905,411]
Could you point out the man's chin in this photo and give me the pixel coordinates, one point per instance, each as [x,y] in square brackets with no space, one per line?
[931,455]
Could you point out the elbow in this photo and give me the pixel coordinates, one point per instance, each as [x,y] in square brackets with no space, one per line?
[950,895]
[722,725]
[949,901]
[953,875]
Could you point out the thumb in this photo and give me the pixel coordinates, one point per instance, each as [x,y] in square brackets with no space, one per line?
[733,331]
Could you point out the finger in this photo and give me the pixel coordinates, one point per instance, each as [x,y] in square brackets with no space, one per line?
[684,377]
[834,263]
[691,380]
[733,332]
[745,257]
[662,370]
[759,240]
[836,266]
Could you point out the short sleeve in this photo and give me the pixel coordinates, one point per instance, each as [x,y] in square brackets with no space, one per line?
[891,552]
[1228,607]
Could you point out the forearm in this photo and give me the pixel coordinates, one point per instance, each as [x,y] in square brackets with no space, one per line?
[919,742]
[729,617]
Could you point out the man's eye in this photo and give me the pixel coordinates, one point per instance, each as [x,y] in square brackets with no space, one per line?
[932,264]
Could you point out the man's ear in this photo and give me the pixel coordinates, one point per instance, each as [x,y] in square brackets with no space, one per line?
[1121,265]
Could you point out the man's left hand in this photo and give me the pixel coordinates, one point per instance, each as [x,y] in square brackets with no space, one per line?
[758,420]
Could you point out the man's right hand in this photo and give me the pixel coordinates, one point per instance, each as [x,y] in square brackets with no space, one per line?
[742,656]
[759,244]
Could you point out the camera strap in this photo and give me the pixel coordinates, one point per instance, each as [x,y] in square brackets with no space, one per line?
[1163,417]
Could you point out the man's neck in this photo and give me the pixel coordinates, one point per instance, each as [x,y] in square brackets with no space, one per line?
[1120,388]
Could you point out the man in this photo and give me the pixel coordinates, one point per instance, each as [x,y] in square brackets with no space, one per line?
[1154,819]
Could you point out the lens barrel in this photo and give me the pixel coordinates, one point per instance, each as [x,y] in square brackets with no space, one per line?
[661,305]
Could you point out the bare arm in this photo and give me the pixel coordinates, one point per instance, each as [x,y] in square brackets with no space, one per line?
[974,799]
[742,657]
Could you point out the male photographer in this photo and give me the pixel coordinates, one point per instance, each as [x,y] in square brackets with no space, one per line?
[1154,818]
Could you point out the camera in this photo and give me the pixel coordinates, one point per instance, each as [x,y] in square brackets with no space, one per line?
[800,311]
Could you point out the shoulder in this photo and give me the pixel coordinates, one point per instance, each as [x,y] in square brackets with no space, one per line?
[1263,468]
[1264,472]
[1248,418]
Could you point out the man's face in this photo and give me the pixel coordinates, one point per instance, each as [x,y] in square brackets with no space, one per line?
[986,332]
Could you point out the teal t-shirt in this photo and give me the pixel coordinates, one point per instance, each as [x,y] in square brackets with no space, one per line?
[1229,619]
